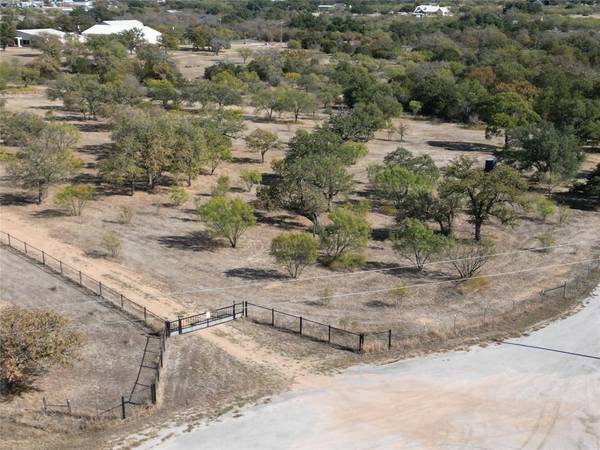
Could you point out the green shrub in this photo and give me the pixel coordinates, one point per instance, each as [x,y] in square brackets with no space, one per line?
[545,208]
[111,242]
[74,198]
[227,217]
[178,195]
[295,251]
[250,178]
[222,186]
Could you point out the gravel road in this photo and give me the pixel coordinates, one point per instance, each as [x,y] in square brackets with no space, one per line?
[537,392]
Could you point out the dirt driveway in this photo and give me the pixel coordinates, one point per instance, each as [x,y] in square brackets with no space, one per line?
[540,391]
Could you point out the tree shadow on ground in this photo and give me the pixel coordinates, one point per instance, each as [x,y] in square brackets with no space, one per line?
[377,304]
[380,234]
[16,199]
[196,241]
[245,160]
[100,151]
[48,213]
[576,199]
[285,221]
[249,273]
[93,127]
[464,146]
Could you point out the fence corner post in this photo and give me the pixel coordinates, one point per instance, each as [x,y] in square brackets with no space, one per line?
[122,407]
[153,393]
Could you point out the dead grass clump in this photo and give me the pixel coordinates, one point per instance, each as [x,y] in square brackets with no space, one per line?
[126,214]
[546,240]
[472,285]
[374,347]
[400,292]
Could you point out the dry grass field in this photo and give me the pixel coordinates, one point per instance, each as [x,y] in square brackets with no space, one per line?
[170,264]
[167,254]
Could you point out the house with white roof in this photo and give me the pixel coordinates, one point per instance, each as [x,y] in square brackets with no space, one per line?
[27,37]
[109,27]
[431,10]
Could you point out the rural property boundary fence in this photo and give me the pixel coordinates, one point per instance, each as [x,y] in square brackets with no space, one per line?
[141,393]
[318,331]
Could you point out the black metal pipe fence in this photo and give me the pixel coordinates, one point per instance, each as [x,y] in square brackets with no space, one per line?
[205,319]
[139,313]
[322,332]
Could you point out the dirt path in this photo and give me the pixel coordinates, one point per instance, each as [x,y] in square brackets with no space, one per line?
[540,391]
[132,284]
[148,293]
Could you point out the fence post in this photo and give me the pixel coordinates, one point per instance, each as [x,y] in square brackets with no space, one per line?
[233,310]
[121,301]
[60,264]
[361,342]
[43,258]
[300,324]
[272,317]
[69,406]
[80,279]
[9,240]
[389,339]
[100,288]
[25,244]
[122,407]
[245,308]
[144,314]
[329,334]
[45,405]
[161,358]
[565,289]
[179,320]
[167,328]
[153,393]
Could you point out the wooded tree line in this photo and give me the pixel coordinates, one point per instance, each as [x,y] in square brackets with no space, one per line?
[520,81]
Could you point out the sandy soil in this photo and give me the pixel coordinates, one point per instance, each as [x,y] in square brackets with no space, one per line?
[170,263]
[105,369]
[534,392]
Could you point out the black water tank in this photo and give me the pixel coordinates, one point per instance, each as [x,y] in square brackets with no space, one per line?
[489,164]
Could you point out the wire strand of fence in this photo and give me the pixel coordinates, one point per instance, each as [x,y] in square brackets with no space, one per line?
[80,278]
[437,283]
[386,269]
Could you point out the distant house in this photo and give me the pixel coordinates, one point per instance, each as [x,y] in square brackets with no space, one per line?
[331,7]
[27,37]
[109,27]
[431,10]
